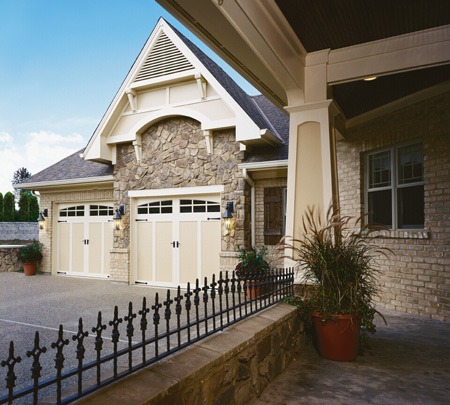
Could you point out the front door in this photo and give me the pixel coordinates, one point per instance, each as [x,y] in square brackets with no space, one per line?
[85,238]
[178,239]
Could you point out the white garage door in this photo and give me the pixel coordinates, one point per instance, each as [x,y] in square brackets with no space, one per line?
[85,239]
[178,239]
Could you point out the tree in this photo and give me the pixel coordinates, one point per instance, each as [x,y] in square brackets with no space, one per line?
[33,210]
[24,207]
[8,207]
[20,175]
[1,207]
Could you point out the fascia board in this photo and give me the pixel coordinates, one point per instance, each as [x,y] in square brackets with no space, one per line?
[253,166]
[125,84]
[246,129]
[69,182]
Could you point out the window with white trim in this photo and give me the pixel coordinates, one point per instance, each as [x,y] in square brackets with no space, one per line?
[157,207]
[394,187]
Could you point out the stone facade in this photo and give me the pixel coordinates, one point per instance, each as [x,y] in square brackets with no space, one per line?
[231,367]
[174,155]
[416,279]
[50,200]
[8,259]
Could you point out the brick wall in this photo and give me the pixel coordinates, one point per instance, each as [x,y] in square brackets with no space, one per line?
[417,278]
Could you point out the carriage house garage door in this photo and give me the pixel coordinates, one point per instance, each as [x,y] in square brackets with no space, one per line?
[85,239]
[178,239]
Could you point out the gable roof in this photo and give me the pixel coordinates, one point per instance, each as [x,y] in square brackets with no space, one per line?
[280,121]
[72,168]
[181,60]
[240,96]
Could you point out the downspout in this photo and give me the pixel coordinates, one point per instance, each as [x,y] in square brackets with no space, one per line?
[251,183]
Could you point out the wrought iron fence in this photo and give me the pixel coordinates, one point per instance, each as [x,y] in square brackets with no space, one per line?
[195,313]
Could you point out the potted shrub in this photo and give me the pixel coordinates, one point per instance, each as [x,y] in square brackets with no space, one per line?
[337,258]
[252,268]
[30,255]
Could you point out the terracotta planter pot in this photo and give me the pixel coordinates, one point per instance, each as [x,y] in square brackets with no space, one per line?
[255,291]
[29,269]
[337,339]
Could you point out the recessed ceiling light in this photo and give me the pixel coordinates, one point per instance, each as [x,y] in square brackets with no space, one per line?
[369,79]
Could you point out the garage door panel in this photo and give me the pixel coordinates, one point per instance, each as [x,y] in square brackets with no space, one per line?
[188,251]
[95,247]
[77,247]
[210,248]
[107,246]
[163,252]
[144,251]
[64,247]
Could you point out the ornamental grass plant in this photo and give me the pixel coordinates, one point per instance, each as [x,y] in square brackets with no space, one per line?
[337,258]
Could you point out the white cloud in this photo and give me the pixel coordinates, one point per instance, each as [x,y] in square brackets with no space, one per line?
[38,151]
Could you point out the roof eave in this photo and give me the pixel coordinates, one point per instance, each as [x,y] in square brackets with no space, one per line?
[99,180]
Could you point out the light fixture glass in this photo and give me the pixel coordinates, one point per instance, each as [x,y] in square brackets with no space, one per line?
[370,78]
[41,221]
[228,215]
[117,217]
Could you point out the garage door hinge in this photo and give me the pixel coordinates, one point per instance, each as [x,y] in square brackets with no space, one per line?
[62,221]
[213,219]
[141,220]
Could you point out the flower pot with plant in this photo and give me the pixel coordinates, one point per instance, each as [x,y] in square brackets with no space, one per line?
[338,261]
[30,255]
[253,268]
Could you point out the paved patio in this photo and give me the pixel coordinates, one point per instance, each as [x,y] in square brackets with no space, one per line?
[408,363]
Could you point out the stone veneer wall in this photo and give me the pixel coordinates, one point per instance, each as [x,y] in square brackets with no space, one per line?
[259,214]
[417,278]
[50,200]
[8,259]
[174,155]
[231,367]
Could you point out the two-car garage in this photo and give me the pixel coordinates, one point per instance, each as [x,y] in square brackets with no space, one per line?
[175,236]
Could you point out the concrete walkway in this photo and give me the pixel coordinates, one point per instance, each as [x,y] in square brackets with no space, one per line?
[408,363]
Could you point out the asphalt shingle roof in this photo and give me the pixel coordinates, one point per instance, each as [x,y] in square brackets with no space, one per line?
[72,167]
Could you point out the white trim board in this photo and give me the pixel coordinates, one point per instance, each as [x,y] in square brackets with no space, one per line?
[176,191]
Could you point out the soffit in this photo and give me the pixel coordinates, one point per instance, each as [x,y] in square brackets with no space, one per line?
[335,24]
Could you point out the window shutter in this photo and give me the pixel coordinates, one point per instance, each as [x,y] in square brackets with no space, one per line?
[273,215]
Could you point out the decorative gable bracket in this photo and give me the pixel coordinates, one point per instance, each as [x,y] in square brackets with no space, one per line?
[201,83]
[132,99]
[138,148]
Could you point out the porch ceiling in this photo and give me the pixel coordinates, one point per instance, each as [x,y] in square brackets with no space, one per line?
[319,25]
[335,24]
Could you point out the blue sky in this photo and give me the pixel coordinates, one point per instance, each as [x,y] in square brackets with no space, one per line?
[61,63]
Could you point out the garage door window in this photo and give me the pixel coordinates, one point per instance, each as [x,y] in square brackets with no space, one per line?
[75,211]
[188,206]
[100,211]
[157,207]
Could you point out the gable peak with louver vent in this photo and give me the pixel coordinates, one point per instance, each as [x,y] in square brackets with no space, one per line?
[164,58]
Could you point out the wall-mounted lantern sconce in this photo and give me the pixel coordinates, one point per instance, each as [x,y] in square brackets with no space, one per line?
[41,218]
[228,216]
[117,218]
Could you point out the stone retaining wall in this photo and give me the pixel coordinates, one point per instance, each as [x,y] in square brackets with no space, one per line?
[230,367]
[19,230]
[8,259]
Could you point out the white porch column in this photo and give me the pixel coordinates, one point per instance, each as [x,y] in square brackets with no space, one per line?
[311,166]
